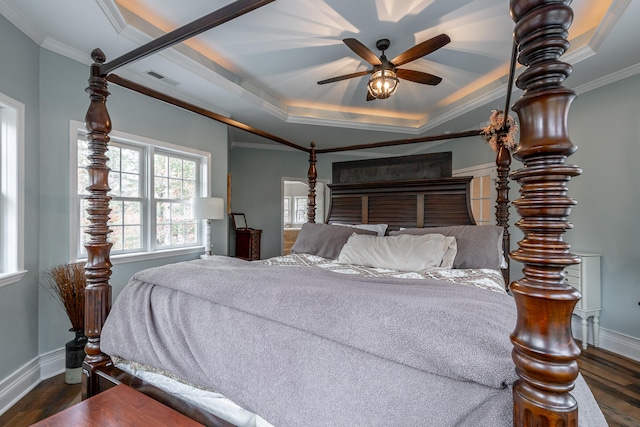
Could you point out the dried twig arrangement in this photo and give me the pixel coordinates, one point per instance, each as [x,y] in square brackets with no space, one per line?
[496,133]
[66,283]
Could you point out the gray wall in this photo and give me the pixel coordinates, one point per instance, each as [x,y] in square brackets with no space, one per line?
[605,125]
[256,187]
[52,87]
[19,301]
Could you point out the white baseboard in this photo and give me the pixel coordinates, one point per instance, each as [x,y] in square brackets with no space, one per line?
[615,342]
[21,382]
[52,363]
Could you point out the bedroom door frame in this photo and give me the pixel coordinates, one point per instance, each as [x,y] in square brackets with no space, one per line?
[321,195]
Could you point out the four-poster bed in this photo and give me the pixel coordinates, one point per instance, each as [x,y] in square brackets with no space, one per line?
[544,352]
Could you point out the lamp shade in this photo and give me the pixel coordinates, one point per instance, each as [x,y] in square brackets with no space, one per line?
[207,208]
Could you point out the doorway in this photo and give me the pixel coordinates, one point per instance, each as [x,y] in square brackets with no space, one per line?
[293,213]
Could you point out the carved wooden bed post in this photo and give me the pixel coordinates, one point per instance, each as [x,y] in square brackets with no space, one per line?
[503,162]
[312,175]
[98,267]
[544,350]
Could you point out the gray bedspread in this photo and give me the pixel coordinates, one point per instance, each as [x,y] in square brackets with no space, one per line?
[302,346]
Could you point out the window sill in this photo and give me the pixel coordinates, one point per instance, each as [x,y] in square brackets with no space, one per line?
[144,256]
[13,277]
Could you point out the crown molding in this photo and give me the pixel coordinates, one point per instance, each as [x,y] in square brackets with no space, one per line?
[140,31]
[608,79]
[609,21]
[21,22]
[67,51]
[112,12]
[344,122]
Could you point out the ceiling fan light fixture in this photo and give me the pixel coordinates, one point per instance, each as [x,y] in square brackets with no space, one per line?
[383,83]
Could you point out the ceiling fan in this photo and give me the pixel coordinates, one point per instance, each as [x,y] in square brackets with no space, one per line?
[385,74]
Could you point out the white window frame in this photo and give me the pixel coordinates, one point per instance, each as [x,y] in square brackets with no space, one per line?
[12,140]
[286,209]
[295,211]
[150,145]
[478,171]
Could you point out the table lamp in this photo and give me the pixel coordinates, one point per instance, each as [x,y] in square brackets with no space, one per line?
[208,208]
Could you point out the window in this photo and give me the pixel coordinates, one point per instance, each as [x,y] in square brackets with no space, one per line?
[301,209]
[12,190]
[151,183]
[287,209]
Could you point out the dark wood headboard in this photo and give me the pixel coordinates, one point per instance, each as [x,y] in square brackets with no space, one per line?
[404,191]
[415,203]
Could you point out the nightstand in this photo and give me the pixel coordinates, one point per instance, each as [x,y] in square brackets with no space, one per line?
[585,277]
[248,243]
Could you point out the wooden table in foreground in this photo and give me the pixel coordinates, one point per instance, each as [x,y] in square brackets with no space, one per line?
[120,406]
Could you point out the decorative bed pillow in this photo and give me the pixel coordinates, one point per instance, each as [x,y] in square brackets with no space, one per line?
[404,253]
[450,255]
[324,240]
[479,246]
[381,229]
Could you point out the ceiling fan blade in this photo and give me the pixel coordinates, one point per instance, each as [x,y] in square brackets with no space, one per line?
[418,77]
[369,96]
[345,77]
[362,51]
[421,49]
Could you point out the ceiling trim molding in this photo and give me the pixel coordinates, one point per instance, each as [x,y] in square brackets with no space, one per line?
[608,79]
[112,12]
[202,66]
[66,51]
[608,23]
[580,54]
[361,125]
[140,31]
[465,108]
[21,22]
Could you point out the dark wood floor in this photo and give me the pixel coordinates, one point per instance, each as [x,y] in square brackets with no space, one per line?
[614,381]
[47,398]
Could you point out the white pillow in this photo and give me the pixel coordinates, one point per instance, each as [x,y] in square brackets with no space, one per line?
[381,229]
[450,255]
[403,252]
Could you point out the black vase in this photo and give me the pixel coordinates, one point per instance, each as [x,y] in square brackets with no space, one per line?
[74,355]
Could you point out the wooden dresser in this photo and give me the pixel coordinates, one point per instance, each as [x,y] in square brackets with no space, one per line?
[248,243]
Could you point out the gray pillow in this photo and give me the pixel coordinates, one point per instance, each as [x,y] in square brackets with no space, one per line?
[479,246]
[324,240]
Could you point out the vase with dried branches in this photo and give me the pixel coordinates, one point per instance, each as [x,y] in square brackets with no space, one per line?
[66,283]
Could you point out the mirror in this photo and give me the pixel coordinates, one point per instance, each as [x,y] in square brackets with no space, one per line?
[239,221]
